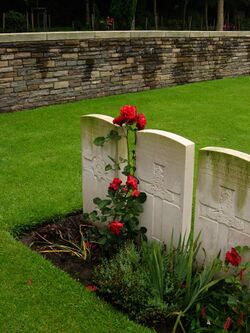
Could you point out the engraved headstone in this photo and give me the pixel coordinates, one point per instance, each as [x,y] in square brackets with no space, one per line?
[95,180]
[165,168]
[223,200]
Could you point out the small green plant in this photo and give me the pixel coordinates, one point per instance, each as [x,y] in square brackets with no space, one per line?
[155,262]
[123,281]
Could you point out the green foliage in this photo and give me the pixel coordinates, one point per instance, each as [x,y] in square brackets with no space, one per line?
[120,206]
[121,11]
[137,280]
[155,262]
[224,300]
[245,24]
[160,277]
[15,21]
[123,281]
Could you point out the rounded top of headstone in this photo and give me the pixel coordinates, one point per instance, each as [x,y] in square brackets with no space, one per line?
[99,116]
[227,151]
[172,136]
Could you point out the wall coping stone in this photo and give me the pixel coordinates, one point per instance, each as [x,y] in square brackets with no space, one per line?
[79,35]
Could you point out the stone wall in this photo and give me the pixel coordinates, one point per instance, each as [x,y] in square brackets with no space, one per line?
[46,68]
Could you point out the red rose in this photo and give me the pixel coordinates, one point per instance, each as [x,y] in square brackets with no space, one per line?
[135,193]
[91,287]
[132,182]
[115,185]
[228,323]
[128,112]
[233,257]
[88,245]
[241,274]
[240,319]
[119,121]
[115,227]
[141,121]
[203,312]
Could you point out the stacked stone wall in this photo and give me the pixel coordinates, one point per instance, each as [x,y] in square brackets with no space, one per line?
[46,68]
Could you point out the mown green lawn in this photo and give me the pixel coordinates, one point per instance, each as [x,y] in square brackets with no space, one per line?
[40,178]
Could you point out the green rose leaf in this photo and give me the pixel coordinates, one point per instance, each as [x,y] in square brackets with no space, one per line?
[103,218]
[96,201]
[108,167]
[126,170]
[139,208]
[106,210]
[103,203]
[143,230]
[93,216]
[142,197]
[113,135]
[102,240]
[85,216]
[99,141]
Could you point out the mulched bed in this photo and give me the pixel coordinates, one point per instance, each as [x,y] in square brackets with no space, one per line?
[68,228]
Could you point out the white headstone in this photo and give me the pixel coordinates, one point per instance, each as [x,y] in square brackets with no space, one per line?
[95,180]
[223,200]
[165,168]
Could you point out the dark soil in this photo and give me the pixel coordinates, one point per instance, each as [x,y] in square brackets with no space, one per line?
[60,233]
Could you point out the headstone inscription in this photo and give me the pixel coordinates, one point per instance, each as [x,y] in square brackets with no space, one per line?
[223,200]
[165,168]
[95,180]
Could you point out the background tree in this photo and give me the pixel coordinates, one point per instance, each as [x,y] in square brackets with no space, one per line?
[141,14]
[124,13]
[133,12]
[206,14]
[185,4]
[87,12]
[220,15]
[155,15]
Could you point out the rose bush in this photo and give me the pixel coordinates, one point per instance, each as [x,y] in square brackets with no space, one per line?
[121,209]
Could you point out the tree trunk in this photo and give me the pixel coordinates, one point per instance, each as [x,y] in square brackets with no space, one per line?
[220,15]
[155,15]
[134,5]
[184,14]
[87,12]
[4,17]
[133,23]
[206,14]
